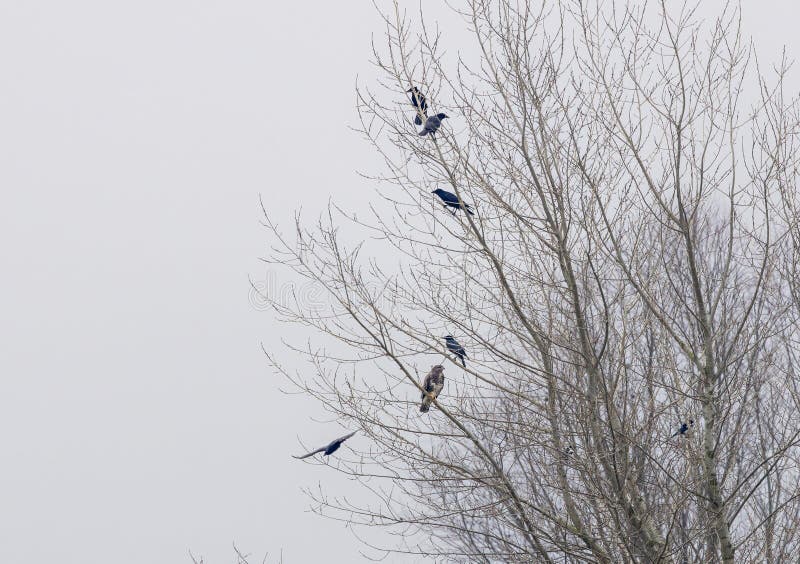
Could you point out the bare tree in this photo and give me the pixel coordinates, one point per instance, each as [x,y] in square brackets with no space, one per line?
[631,267]
[241,557]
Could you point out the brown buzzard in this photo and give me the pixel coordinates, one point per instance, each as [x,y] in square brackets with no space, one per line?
[433,384]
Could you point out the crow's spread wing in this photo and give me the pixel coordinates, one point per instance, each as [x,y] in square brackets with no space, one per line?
[312,453]
[343,439]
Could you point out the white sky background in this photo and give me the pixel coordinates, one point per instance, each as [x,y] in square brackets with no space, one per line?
[138,417]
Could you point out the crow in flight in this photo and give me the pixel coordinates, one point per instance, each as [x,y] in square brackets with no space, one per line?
[451,201]
[432,124]
[454,347]
[418,101]
[328,449]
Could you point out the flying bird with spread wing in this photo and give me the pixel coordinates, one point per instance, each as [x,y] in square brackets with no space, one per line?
[328,449]
[432,386]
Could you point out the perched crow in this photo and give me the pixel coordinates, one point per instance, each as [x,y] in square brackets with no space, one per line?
[418,101]
[328,449]
[684,428]
[451,201]
[454,347]
[432,124]
[433,384]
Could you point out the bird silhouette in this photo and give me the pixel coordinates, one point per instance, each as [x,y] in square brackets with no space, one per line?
[432,386]
[432,124]
[328,449]
[455,347]
[418,101]
[450,200]
[684,428]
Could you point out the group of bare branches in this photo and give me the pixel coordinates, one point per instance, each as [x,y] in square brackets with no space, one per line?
[632,265]
[241,557]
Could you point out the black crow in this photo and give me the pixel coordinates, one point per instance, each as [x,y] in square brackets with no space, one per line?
[328,449]
[684,428]
[432,124]
[454,347]
[451,201]
[418,101]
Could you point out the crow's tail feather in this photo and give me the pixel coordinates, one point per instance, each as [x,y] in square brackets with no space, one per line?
[418,120]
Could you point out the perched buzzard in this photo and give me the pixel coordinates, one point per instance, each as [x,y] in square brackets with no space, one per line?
[433,384]
[328,449]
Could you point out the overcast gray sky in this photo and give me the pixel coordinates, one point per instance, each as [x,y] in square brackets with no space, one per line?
[138,417]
